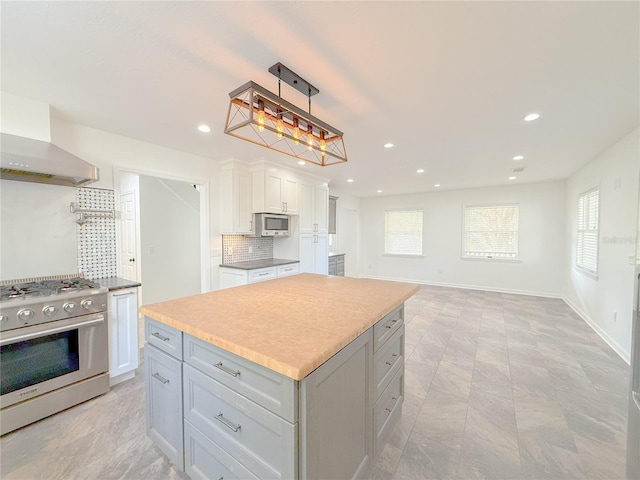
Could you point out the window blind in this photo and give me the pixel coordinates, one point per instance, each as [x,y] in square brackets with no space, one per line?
[587,245]
[403,232]
[491,231]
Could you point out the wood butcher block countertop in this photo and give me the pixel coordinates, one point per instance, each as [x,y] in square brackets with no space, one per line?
[291,325]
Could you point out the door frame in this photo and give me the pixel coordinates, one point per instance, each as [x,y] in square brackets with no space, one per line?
[205,219]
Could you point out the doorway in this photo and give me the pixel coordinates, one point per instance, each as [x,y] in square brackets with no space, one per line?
[163,235]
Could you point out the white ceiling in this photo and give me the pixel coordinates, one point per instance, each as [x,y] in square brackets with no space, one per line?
[447,82]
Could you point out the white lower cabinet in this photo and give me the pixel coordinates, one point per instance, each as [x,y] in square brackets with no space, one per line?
[123,334]
[233,277]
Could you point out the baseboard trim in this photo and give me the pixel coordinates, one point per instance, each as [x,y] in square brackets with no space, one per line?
[615,346]
[468,287]
[622,353]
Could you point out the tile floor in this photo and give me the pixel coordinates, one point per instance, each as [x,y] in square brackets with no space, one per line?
[497,386]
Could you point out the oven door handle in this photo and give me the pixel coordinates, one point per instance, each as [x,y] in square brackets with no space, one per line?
[30,336]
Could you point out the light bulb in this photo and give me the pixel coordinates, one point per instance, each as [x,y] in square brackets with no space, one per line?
[310,137]
[261,119]
[323,144]
[295,132]
[279,129]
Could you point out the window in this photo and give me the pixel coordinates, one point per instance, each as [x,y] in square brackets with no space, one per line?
[587,247]
[491,232]
[403,232]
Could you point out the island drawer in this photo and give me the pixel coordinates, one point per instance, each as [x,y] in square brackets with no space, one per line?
[387,360]
[260,440]
[384,329]
[205,459]
[262,274]
[273,391]
[387,410]
[164,337]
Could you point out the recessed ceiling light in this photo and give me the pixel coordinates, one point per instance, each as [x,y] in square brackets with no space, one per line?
[204,128]
[350,180]
[518,157]
[420,170]
[437,185]
[302,162]
[531,117]
[379,191]
[388,145]
[512,178]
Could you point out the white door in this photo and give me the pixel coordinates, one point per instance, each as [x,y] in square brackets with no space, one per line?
[128,247]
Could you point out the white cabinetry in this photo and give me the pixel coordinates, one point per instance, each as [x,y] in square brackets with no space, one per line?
[274,190]
[236,216]
[123,334]
[314,207]
[314,253]
[233,277]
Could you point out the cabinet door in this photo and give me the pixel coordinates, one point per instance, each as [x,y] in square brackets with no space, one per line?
[336,403]
[123,331]
[307,253]
[290,195]
[321,209]
[273,193]
[321,253]
[232,277]
[306,221]
[164,403]
[244,216]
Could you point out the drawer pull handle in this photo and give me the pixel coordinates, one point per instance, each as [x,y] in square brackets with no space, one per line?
[226,423]
[227,370]
[392,322]
[388,363]
[394,354]
[394,398]
[161,337]
[159,377]
[388,410]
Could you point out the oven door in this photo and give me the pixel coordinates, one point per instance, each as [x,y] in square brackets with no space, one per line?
[43,358]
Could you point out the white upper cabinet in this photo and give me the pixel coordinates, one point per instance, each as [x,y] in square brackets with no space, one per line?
[236,216]
[275,190]
[314,207]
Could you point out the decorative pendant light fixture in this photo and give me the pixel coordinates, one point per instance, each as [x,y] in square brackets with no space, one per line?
[264,118]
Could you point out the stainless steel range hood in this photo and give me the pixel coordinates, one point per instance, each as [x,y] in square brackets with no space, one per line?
[28,160]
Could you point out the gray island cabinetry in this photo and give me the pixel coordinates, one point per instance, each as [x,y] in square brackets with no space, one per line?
[221,408]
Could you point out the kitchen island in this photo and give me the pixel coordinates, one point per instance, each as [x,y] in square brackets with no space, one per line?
[299,377]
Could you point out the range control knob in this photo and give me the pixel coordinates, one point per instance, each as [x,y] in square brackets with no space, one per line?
[50,310]
[3,318]
[26,314]
[87,303]
[69,307]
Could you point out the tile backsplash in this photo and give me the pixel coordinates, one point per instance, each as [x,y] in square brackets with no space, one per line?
[97,237]
[236,248]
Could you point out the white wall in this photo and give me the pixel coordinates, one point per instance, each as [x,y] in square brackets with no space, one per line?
[37,232]
[541,240]
[616,172]
[110,152]
[170,243]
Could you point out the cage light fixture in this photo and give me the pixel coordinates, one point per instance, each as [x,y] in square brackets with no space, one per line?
[264,118]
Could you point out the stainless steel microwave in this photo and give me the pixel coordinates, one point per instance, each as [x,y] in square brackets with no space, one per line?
[272,225]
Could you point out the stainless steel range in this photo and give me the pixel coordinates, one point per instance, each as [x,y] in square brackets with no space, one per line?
[53,347]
